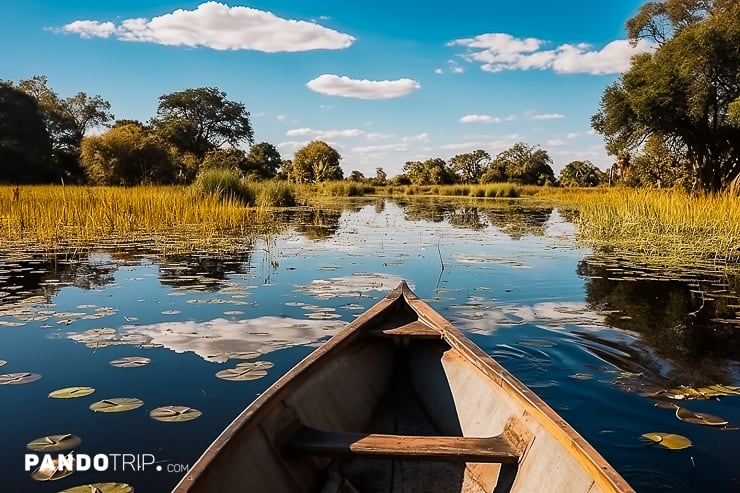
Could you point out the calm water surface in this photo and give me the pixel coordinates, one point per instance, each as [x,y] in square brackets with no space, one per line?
[590,333]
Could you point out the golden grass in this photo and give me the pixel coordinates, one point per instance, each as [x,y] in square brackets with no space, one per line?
[51,216]
[666,224]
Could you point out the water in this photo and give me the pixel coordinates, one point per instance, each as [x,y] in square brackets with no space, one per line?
[588,332]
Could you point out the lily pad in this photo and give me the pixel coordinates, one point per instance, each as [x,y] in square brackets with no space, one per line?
[667,440]
[256,365]
[100,488]
[18,378]
[699,418]
[131,362]
[54,443]
[71,392]
[174,413]
[241,374]
[2,362]
[244,355]
[116,405]
[51,471]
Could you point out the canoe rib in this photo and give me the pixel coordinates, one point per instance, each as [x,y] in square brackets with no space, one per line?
[409,447]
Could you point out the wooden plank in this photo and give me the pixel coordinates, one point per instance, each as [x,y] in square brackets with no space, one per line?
[409,447]
[415,330]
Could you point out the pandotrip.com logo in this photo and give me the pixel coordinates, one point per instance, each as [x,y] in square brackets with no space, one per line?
[53,466]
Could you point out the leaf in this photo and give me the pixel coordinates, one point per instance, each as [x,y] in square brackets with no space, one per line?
[100,488]
[2,362]
[71,392]
[244,355]
[174,413]
[52,473]
[18,378]
[130,362]
[668,440]
[699,418]
[241,374]
[54,443]
[116,405]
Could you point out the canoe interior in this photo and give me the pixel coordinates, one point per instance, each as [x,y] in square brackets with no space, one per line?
[394,374]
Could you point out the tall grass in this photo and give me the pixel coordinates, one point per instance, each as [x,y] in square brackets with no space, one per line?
[57,215]
[490,190]
[658,223]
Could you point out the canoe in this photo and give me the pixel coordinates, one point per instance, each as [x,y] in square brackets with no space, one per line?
[400,400]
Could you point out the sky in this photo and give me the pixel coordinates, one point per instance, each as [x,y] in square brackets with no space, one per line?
[382,82]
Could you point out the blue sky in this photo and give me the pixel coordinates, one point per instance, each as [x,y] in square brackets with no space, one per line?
[382,82]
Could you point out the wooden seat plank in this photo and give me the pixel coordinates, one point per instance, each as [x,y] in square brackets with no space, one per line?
[416,329]
[409,447]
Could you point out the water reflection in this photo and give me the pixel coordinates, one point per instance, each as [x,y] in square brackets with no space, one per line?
[690,320]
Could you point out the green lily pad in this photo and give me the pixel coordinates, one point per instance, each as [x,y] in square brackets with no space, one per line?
[100,488]
[241,374]
[18,378]
[699,418]
[116,405]
[49,472]
[71,392]
[174,414]
[667,440]
[131,362]
[54,443]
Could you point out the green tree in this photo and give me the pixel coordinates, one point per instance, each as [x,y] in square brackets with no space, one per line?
[127,155]
[433,171]
[315,162]
[263,161]
[67,120]
[581,174]
[200,120]
[527,165]
[658,166]
[357,176]
[682,93]
[469,167]
[25,146]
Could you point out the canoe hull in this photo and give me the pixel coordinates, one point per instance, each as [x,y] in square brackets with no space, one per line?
[362,412]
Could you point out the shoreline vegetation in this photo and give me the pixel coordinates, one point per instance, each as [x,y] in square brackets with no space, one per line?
[652,226]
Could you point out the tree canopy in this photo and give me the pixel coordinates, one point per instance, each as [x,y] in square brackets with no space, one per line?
[315,162]
[527,165]
[25,145]
[202,119]
[470,166]
[684,92]
[263,161]
[581,174]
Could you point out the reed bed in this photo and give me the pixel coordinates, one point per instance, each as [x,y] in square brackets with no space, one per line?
[489,190]
[660,224]
[54,216]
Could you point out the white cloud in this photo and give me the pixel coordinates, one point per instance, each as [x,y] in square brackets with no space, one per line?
[380,149]
[548,116]
[439,71]
[479,119]
[422,137]
[220,27]
[555,143]
[497,52]
[324,134]
[334,85]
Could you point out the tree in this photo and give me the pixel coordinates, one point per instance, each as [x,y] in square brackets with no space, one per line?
[581,174]
[469,167]
[263,161]
[356,176]
[67,120]
[658,166]
[202,119]
[433,171]
[127,155]
[380,177]
[523,164]
[315,162]
[683,92]
[25,146]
